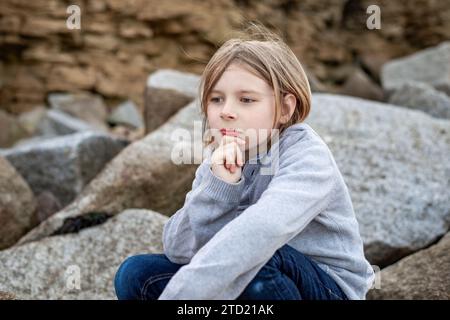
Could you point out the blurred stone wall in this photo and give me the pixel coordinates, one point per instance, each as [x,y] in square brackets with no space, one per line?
[121,41]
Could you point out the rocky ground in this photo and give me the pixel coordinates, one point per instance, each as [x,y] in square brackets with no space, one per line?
[81,116]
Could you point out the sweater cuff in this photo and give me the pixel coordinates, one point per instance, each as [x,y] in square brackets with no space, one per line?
[221,190]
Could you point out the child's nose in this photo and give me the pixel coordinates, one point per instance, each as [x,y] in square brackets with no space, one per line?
[226,113]
[227,116]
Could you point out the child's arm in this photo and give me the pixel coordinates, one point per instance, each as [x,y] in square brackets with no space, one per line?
[300,190]
[208,207]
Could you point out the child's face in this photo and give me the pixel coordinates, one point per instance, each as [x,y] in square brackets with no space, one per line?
[230,107]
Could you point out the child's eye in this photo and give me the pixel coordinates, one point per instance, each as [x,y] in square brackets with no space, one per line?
[244,100]
[214,99]
[247,100]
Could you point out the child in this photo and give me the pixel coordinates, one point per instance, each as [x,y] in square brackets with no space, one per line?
[245,232]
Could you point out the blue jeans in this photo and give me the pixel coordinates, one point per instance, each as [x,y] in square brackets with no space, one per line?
[288,275]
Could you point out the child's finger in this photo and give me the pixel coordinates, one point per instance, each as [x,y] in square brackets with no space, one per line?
[219,156]
[229,139]
[226,140]
[226,157]
[237,154]
[240,160]
[230,158]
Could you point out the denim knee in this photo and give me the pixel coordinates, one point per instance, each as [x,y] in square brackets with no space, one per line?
[133,275]
[124,277]
[270,283]
[263,284]
[257,289]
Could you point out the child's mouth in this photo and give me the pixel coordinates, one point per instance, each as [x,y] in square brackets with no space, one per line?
[229,132]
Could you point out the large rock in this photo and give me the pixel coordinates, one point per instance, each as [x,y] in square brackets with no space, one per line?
[11,130]
[87,107]
[373,61]
[47,204]
[395,163]
[421,96]
[7,295]
[167,91]
[127,113]
[58,123]
[146,174]
[63,165]
[17,205]
[182,82]
[423,275]
[30,120]
[359,84]
[49,269]
[431,66]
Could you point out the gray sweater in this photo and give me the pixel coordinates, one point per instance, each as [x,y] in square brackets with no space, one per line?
[293,194]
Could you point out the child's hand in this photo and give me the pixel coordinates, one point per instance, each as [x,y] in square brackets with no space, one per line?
[227,160]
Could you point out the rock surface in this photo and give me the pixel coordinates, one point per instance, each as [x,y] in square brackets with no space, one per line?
[430,66]
[11,130]
[7,296]
[17,205]
[87,107]
[147,174]
[360,85]
[395,163]
[54,267]
[421,96]
[57,123]
[63,165]
[127,114]
[167,91]
[422,275]
[30,120]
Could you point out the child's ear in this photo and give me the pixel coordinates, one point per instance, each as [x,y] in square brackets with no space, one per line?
[289,104]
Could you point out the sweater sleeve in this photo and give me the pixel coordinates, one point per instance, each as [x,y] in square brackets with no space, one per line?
[207,208]
[300,189]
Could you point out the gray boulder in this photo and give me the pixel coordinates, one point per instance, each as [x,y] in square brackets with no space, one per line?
[147,174]
[167,91]
[421,96]
[63,165]
[84,106]
[80,265]
[30,120]
[431,66]
[58,123]
[126,113]
[395,163]
[182,82]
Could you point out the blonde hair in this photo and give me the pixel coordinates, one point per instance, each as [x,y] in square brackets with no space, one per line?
[271,59]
